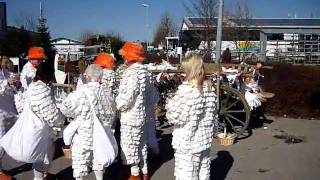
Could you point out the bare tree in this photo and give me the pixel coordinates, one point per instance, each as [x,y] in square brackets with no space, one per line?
[207,11]
[165,28]
[85,35]
[238,24]
[26,20]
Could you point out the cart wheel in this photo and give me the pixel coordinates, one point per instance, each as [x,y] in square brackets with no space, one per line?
[234,112]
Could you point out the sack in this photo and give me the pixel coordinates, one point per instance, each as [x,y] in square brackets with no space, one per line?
[70,131]
[105,147]
[28,140]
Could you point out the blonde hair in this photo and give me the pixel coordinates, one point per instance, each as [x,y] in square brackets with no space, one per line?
[194,69]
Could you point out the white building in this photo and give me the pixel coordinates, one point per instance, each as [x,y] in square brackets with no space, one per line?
[68,49]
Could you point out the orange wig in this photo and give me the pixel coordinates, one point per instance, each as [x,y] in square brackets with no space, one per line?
[105,61]
[132,52]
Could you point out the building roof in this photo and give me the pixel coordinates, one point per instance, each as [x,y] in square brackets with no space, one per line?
[194,23]
[63,40]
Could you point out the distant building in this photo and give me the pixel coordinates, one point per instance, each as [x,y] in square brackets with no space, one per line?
[68,49]
[291,40]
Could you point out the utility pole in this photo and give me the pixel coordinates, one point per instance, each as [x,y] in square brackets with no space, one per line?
[147,23]
[218,48]
[219,32]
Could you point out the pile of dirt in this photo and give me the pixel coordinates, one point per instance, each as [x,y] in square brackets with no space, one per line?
[296,88]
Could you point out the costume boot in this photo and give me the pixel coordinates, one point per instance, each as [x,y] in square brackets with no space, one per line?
[132,177]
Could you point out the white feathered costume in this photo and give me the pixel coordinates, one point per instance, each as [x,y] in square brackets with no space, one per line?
[78,106]
[42,103]
[27,74]
[252,95]
[131,103]
[194,116]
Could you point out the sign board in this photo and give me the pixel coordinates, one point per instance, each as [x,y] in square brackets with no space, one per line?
[179,50]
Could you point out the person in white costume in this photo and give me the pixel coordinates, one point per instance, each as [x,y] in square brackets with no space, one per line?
[131,102]
[42,103]
[33,134]
[193,112]
[8,112]
[106,62]
[84,104]
[35,56]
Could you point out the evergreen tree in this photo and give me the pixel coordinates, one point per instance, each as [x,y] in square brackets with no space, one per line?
[44,39]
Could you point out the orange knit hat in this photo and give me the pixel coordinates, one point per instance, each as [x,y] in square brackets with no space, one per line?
[132,52]
[36,53]
[104,60]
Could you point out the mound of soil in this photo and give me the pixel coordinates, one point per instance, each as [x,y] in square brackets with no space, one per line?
[296,88]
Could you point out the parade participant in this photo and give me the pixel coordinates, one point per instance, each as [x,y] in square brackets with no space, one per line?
[90,106]
[131,103]
[106,62]
[31,138]
[35,56]
[193,112]
[8,111]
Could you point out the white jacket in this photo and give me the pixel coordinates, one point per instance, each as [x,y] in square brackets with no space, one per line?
[77,105]
[131,103]
[193,113]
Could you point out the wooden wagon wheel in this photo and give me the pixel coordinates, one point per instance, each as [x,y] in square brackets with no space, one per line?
[234,112]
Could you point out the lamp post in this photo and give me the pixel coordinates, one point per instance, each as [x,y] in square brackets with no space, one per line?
[147,17]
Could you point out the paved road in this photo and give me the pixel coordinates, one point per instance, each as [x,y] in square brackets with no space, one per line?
[260,156]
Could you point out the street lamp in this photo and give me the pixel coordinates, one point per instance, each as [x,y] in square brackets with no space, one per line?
[147,25]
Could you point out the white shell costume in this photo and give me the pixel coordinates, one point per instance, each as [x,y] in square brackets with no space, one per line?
[108,80]
[118,74]
[131,103]
[42,103]
[8,111]
[193,113]
[77,105]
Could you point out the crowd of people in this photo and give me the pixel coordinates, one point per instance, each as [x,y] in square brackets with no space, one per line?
[31,120]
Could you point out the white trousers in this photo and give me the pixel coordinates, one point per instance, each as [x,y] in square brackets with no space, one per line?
[192,166]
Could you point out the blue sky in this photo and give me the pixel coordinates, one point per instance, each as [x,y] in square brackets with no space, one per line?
[69,18]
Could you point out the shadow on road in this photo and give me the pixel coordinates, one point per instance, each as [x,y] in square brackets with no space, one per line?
[166,153]
[258,118]
[221,165]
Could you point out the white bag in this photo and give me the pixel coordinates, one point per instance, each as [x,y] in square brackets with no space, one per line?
[105,147]
[70,131]
[28,140]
